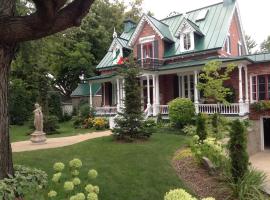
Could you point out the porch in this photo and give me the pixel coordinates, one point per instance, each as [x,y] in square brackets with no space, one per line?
[158,88]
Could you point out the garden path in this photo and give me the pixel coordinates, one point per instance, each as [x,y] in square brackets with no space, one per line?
[261,161]
[57,142]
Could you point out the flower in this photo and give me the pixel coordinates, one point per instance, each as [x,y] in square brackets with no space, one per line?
[52,194]
[96,189]
[56,177]
[178,194]
[75,172]
[92,196]
[75,163]
[58,167]
[79,196]
[76,181]
[92,174]
[89,188]
[68,186]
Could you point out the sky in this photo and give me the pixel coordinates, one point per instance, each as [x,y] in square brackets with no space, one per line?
[254,14]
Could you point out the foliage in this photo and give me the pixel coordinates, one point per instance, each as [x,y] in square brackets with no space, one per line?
[250,187]
[212,81]
[265,45]
[181,112]
[201,126]
[26,180]
[149,125]
[129,123]
[219,126]
[190,130]
[261,106]
[238,150]
[251,43]
[51,125]
[85,111]
[69,183]
[210,148]
[19,95]
[54,104]
[180,194]
[100,123]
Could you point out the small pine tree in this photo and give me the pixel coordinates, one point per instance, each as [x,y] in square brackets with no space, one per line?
[238,150]
[130,121]
[201,126]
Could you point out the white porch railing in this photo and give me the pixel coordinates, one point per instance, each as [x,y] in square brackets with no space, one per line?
[230,109]
[148,112]
[109,111]
[164,109]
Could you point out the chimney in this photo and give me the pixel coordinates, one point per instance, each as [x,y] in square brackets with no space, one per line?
[128,25]
[228,2]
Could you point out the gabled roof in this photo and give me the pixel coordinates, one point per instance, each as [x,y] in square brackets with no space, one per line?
[83,90]
[159,27]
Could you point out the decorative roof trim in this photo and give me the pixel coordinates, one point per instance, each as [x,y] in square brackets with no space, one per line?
[186,22]
[115,41]
[140,27]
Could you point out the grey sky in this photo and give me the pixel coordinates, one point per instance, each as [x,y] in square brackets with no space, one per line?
[254,14]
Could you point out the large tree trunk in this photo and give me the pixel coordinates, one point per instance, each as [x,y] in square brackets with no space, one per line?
[6,167]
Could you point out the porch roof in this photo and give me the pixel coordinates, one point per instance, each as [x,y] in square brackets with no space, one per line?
[101,77]
[83,90]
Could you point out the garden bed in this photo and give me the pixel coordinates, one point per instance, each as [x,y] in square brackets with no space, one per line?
[197,178]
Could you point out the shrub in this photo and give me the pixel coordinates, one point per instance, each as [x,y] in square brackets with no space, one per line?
[149,126]
[181,112]
[190,130]
[100,123]
[51,124]
[85,111]
[25,181]
[201,126]
[261,106]
[54,104]
[219,126]
[238,150]
[180,194]
[249,187]
[88,122]
[78,122]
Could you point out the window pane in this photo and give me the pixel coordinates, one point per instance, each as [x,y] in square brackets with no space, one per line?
[254,88]
[268,89]
[262,87]
[192,87]
[187,41]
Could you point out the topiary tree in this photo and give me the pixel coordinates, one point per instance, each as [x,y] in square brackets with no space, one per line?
[201,126]
[181,112]
[129,123]
[238,150]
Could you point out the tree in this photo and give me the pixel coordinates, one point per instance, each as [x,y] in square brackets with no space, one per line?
[212,81]
[129,123]
[251,44]
[49,17]
[265,46]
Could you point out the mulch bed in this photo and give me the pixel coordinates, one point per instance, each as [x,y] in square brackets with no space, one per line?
[198,179]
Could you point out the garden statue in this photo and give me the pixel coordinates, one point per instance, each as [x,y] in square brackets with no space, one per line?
[38,136]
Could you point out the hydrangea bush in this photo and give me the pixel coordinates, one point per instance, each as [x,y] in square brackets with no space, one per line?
[180,194]
[67,182]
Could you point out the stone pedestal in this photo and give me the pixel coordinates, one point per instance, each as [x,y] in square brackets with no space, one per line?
[38,137]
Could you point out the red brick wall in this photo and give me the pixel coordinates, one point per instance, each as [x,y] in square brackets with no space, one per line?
[148,31]
[166,88]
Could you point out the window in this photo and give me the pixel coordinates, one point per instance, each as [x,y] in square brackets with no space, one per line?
[187,41]
[261,87]
[148,50]
[239,49]
[228,44]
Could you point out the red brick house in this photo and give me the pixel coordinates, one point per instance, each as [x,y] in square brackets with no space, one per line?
[172,51]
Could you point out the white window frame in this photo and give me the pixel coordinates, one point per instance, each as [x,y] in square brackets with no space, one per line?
[228,44]
[239,46]
[251,88]
[182,41]
[147,39]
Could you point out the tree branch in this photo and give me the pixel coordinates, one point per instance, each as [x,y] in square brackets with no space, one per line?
[44,22]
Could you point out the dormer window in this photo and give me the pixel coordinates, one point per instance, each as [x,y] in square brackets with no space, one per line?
[187,41]
[148,50]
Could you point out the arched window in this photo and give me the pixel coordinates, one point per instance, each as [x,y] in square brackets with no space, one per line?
[187,41]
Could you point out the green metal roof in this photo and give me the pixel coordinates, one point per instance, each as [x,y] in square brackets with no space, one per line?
[263,57]
[105,76]
[83,89]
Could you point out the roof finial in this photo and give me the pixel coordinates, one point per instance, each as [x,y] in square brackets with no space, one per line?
[114,33]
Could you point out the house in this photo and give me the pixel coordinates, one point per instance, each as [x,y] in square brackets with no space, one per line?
[172,52]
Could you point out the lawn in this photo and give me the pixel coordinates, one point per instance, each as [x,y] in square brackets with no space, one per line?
[20,133]
[140,171]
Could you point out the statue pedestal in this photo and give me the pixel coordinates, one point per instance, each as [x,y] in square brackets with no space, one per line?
[38,137]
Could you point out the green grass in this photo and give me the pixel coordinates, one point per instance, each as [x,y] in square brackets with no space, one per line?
[140,171]
[20,133]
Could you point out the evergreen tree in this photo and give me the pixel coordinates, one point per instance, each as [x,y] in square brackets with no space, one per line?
[238,150]
[201,126]
[129,123]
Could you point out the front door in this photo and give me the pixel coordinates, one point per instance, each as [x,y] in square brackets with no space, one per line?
[266,128]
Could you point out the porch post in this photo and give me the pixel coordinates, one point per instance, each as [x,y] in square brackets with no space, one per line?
[91,97]
[183,87]
[104,98]
[142,100]
[251,90]
[154,95]
[196,97]
[189,92]
[157,94]
[148,92]
[241,105]
[179,85]
[123,90]
[246,85]
[118,94]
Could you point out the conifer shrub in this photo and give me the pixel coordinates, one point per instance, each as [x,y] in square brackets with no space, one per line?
[238,150]
[201,124]
[181,112]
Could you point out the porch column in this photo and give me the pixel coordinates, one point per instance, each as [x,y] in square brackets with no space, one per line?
[157,94]
[118,94]
[154,95]
[179,85]
[91,96]
[123,90]
[142,100]
[148,92]
[183,87]
[104,97]
[196,97]
[246,85]
[251,89]
[189,92]
[241,105]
